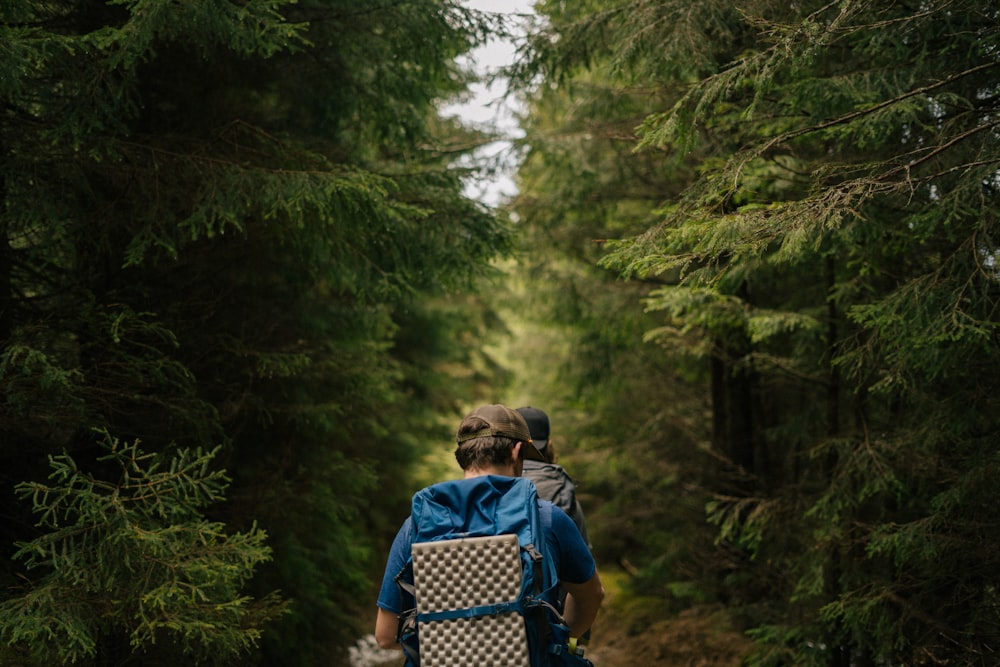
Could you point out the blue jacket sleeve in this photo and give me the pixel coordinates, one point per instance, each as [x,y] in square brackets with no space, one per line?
[390,597]
[575,563]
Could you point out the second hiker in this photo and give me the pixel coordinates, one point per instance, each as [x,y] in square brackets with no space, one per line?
[551,480]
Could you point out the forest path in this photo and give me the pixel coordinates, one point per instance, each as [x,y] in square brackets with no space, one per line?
[694,638]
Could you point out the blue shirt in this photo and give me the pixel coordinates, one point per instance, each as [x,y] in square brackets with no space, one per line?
[574,562]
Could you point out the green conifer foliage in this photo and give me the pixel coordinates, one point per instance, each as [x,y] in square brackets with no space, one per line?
[215,219]
[134,556]
[826,243]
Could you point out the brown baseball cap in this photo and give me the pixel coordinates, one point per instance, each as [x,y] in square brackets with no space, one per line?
[501,420]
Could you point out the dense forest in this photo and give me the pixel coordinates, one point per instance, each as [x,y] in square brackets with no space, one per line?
[749,272]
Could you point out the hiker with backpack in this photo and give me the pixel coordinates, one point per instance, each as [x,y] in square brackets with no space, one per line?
[551,480]
[492,499]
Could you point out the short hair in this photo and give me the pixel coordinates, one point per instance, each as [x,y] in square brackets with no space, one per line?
[484,451]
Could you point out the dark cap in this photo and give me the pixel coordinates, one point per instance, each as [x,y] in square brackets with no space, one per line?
[538,426]
[501,420]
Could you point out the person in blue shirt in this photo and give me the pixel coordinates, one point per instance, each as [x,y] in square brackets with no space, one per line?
[493,440]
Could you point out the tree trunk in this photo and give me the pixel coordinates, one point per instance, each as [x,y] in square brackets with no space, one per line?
[6,268]
[733,401]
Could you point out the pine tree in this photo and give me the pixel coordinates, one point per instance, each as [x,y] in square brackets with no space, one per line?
[134,556]
[217,217]
[833,258]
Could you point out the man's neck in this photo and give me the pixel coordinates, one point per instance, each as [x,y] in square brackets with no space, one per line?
[506,471]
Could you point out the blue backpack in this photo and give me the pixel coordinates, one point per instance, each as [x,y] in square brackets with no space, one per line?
[466,514]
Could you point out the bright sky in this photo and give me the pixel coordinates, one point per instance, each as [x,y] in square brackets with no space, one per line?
[486,106]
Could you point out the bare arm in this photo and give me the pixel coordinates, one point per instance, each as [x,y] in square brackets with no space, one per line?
[582,602]
[385,629]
